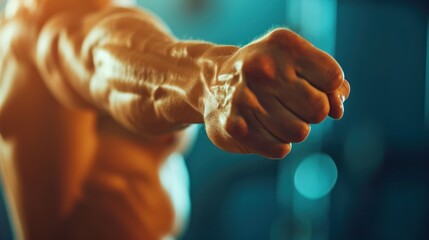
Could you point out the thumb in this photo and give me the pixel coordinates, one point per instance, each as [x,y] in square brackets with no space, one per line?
[337,99]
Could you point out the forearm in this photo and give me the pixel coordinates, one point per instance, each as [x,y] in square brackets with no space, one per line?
[126,64]
[160,87]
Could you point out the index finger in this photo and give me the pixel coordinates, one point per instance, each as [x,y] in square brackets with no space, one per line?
[310,63]
[320,69]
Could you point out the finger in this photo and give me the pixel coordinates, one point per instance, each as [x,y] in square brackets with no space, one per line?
[320,69]
[280,122]
[336,106]
[344,90]
[247,132]
[304,100]
[286,40]
[336,100]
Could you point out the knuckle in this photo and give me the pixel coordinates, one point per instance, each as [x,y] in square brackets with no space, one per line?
[320,111]
[254,61]
[259,67]
[281,34]
[315,99]
[286,39]
[334,77]
[301,132]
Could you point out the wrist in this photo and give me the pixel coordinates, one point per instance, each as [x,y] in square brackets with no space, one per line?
[210,65]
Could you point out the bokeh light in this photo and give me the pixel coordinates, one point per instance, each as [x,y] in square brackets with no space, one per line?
[2,4]
[315,176]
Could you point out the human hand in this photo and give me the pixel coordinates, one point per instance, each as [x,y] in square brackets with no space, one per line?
[267,94]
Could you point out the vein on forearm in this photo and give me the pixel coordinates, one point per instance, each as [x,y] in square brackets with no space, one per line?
[127,64]
[163,84]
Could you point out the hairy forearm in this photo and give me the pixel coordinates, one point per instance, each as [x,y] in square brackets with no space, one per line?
[125,63]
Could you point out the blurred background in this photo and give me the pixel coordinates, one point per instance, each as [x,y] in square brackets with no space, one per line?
[364,177]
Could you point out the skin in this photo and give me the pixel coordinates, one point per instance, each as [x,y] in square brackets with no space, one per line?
[95,97]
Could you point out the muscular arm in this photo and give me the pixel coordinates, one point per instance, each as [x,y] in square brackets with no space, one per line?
[125,63]
[257,99]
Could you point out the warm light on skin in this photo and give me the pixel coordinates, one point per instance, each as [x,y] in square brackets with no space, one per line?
[9,184]
[95,97]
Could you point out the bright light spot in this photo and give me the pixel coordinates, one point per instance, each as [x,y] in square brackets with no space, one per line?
[315,176]
[175,179]
[126,2]
[225,77]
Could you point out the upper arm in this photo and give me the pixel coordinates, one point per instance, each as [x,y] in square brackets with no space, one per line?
[67,42]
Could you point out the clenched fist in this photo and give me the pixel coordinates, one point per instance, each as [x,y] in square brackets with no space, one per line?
[268,93]
[92,98]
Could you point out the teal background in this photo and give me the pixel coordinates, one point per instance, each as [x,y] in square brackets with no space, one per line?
[379,149]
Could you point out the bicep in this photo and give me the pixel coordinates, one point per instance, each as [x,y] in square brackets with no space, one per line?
[68,41]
